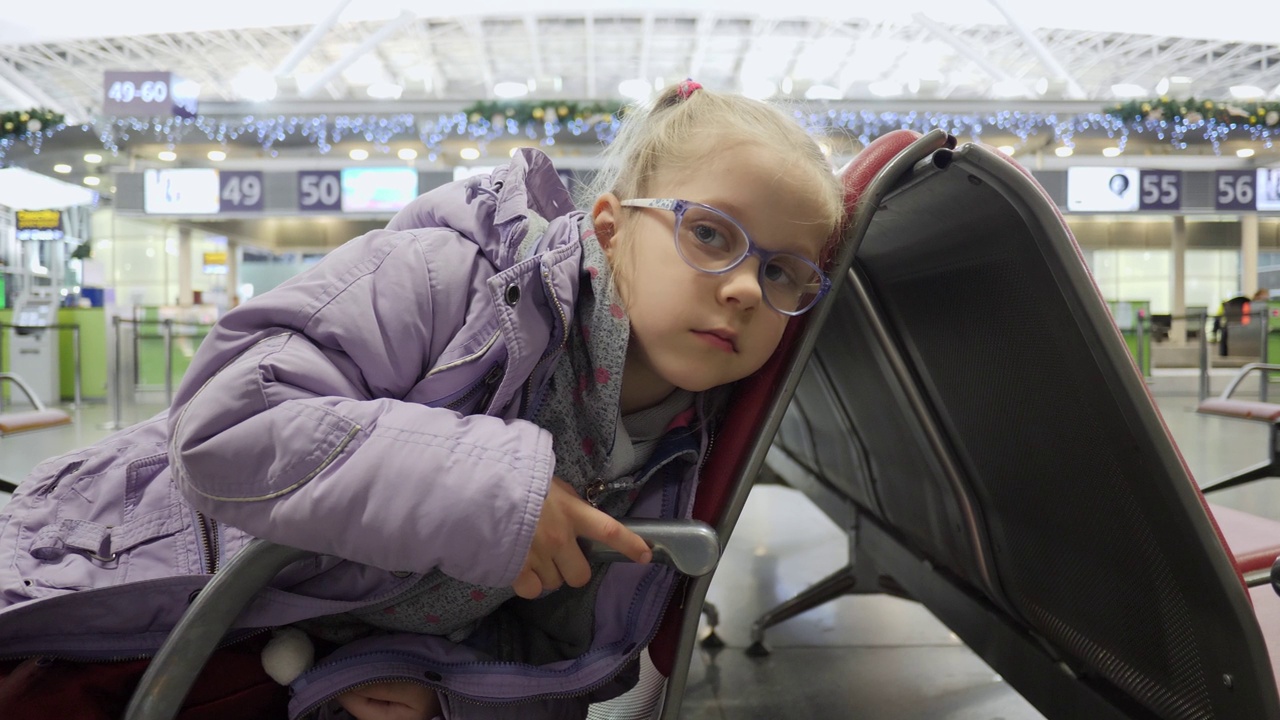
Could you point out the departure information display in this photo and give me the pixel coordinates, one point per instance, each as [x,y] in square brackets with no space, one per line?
[1123,189]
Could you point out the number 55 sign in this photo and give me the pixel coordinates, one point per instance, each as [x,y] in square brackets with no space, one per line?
[1160,190]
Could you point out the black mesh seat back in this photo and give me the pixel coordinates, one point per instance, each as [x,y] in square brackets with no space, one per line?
[851,427]
[1098,538]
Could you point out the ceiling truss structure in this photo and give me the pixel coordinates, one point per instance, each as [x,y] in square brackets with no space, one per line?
[585,57]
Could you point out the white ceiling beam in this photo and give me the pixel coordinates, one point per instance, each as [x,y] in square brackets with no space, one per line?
[425,43]
[474,27]
[968,51]
[646,46]
[380,35]
[309,41]
[15,80]
[701,39]
[1074,91]
[535,49]
[589,41]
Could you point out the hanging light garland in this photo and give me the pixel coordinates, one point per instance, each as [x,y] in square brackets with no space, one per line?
[542,123]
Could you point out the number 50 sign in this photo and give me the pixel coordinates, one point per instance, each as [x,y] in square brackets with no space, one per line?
[320,190]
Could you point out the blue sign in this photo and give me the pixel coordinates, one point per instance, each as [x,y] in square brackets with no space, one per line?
[151,93]
[320,190]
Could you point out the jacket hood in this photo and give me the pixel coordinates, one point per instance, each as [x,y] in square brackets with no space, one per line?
[493,209]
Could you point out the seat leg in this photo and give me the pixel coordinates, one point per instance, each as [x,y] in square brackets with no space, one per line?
[712,641]
[835,585]
[1266,468]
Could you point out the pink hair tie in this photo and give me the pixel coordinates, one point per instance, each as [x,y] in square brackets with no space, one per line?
[687,88]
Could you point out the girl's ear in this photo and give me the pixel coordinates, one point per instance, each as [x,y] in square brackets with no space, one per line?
[605,214]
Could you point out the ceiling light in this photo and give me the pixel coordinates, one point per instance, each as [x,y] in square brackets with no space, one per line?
[1110,151]
[385,91]
[1180,80]
[92,158]
[1129,90]
[1244,152]
[407,153]
[823,92]
[635,88]
[758,88]
[217,155]
[1246,92]
[787,85]
[167,155]
[469,153]
[1162,87]
[255,84]
[359,154]
[62,168]
[1007,149]
[510,89]
[92,181]
[1008,89]
[885,88]
[1063,151]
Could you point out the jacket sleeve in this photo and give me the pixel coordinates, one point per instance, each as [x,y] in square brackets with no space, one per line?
[288,424]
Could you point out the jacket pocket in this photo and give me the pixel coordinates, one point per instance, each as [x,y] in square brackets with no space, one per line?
[78,530]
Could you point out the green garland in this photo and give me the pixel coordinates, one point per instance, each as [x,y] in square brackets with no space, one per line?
[17,123]
[1249,113]
[529,111]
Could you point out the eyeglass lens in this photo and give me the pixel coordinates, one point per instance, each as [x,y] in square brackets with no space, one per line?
[710,241]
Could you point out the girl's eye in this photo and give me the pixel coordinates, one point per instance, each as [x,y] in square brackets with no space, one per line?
[708,235]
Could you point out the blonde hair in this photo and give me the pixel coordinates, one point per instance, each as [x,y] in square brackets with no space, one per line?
[678,133]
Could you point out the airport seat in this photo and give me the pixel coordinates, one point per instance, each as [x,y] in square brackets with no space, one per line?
[972,417]
[1258,411]
[735,459]
[38,418]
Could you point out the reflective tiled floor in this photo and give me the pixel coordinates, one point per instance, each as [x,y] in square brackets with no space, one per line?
[864,657]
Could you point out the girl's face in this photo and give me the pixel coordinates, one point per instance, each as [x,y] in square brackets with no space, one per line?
[690,329]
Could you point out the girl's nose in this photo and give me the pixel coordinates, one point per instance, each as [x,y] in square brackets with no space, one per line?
[741,285]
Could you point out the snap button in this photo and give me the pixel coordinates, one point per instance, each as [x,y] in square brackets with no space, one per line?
[401,573]
[512,295]
[192,597]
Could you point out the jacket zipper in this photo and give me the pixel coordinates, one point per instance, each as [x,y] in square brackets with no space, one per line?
[208,542]
[526,411]
[487,385]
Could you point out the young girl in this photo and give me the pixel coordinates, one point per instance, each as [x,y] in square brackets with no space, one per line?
[441,410]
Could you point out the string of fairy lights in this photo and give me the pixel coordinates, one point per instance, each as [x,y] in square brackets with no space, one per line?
[381,131]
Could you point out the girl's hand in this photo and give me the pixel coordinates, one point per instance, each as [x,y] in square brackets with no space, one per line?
[555,557]
[391,701]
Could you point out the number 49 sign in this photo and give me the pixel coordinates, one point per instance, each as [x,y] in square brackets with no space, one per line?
[240,190]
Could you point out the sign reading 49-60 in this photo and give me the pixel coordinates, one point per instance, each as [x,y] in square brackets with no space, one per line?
[152,93]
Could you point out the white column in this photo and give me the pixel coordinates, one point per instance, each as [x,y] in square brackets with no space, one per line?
[1248,254]
[1178,327]
[233,273]
[185,295]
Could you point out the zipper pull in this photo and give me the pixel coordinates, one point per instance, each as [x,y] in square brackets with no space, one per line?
[594,491]
[491,379]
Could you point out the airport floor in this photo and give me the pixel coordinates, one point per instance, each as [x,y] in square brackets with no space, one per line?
[859,657]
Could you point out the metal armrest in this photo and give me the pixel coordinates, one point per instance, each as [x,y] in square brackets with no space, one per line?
[692,547]
[1239,377]
[25,388]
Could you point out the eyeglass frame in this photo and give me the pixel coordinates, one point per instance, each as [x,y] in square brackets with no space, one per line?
[678,207]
